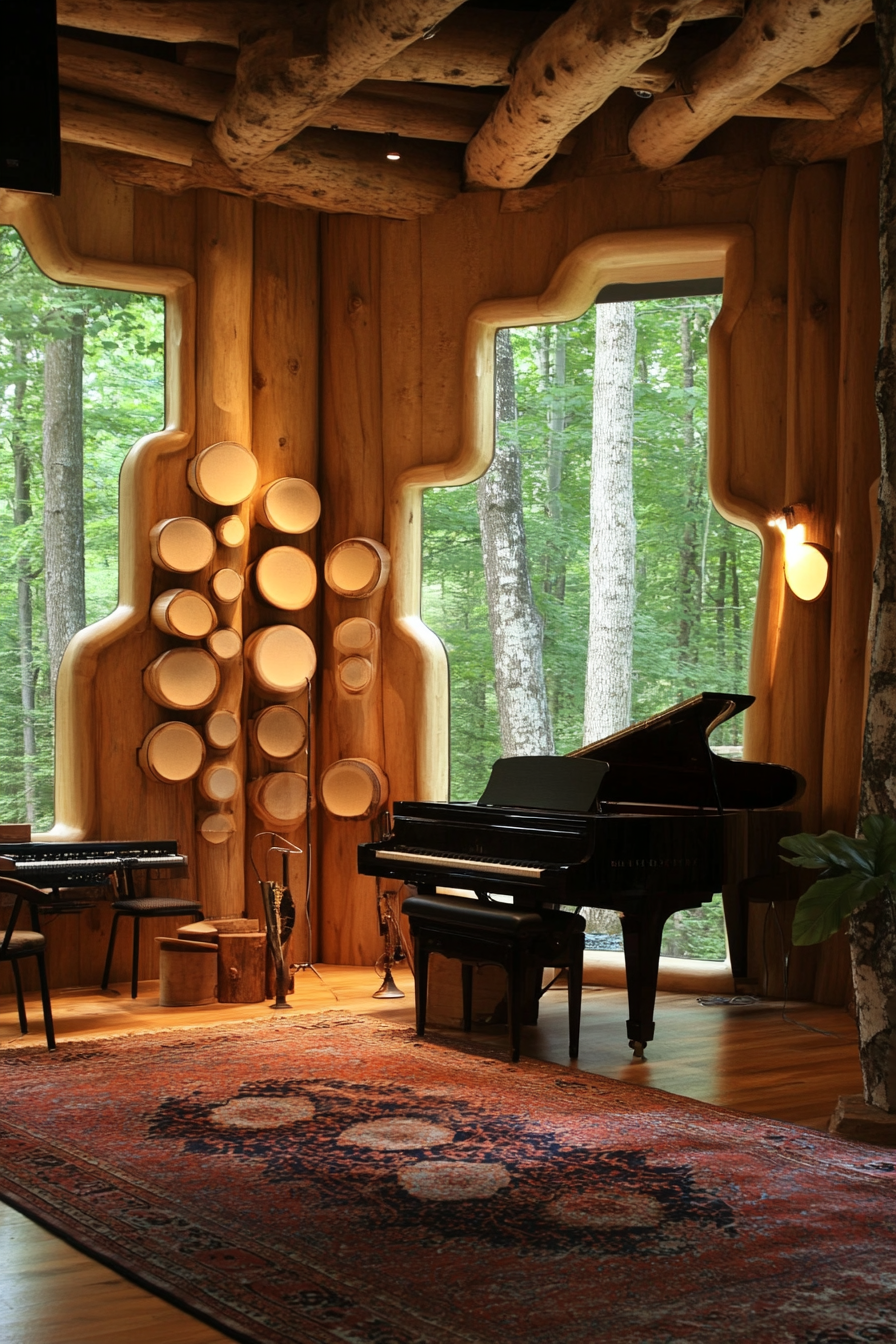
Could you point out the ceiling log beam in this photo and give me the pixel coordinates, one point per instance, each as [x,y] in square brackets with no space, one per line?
[319,170]
[219,21]
[283,79]
[564,76]
[100,122]
[414,111]
[862,124]
[329,170]
[775,39]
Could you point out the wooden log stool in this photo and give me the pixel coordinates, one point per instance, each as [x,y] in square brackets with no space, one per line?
[475,934]
[188,972]
[241,967]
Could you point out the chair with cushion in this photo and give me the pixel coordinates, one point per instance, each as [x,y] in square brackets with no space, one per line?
[18,943]
[519,940]
[144,907]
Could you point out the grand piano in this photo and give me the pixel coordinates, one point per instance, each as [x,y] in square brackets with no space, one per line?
[646,822]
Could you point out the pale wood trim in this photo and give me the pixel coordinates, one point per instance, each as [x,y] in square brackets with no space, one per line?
[650,254]
[38,221]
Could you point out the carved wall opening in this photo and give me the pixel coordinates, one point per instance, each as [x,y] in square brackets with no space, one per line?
[81,379]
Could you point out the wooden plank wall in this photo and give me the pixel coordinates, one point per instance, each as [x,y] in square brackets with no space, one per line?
[385,341]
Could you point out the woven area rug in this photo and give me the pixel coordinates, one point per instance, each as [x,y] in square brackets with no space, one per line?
[334,1180]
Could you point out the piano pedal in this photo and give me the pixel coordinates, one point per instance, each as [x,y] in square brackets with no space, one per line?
[638,1047]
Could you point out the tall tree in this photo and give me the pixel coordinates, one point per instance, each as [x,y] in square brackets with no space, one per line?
[21,514]
[872,930]
[516,625]
[690,568]
[63,463]
[608,676]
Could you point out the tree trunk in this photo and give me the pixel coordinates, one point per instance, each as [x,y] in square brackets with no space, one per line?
[872,929]
[63,454]
[21,513]
[690,575]
[514,620]
[555,382]
[608,678]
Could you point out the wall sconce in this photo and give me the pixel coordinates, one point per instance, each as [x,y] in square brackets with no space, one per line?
[807,565]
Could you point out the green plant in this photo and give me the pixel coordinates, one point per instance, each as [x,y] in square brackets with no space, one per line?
[858,868]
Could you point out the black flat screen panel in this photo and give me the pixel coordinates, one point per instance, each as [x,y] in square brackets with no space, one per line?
[29,97]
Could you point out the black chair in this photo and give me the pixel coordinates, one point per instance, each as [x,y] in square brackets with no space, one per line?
[18,943]
[518,940]
[144,907]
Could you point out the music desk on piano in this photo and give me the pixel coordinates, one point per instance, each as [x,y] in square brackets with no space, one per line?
[671,824]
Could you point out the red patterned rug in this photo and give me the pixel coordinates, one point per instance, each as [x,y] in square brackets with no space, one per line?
[334,1180]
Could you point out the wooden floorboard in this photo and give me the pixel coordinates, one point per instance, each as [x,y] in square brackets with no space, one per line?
[748,1058]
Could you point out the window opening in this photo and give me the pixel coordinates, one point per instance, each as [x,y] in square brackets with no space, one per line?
[678,616]
[81,379]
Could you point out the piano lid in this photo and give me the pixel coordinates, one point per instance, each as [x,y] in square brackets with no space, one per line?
[668,759]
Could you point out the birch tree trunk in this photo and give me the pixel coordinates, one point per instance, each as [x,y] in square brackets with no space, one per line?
[872,929]
[63,461]
[21,513]
[690,567]
[608,678]
[516,626]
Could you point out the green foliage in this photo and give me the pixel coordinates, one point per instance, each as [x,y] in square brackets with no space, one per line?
[857,870]
[689,636]
[122,386]
[696,574]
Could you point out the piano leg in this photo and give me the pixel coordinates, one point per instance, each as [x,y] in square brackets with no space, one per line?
[466,978]
[642,934]
[421,975]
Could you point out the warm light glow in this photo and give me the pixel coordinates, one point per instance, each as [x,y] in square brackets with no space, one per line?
[393,156]
[806,567]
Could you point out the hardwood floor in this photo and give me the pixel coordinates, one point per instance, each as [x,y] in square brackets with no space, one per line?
[747,1058]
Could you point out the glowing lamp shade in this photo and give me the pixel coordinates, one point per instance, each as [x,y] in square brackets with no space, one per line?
[807,566]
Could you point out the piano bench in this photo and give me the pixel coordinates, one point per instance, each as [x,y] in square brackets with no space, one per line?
[144,907]
[473,933]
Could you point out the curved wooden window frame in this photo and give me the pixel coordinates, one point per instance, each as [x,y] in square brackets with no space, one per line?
[39,224]
[636,257]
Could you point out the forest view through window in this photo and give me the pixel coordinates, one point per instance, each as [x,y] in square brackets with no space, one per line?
[586,581]
[81,379]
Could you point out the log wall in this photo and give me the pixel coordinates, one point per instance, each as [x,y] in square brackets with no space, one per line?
[386,345]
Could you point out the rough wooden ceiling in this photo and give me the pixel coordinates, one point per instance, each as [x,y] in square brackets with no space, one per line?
[301,103]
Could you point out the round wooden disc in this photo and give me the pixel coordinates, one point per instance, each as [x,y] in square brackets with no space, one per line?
[226,585]
[217,828]
[280,799]
[289,505]
[231,531]
[222,729]
[281,659]
[286,577]
[182,679]
[183,612]
[183,545]
[223,473]
[280,732]
[356,635]
[355,674]
[357,567]
[172,753]
[224,643]
[354,789]
[219,783]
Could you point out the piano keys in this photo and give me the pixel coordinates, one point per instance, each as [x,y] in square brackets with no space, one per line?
[667,824]
[57,866]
